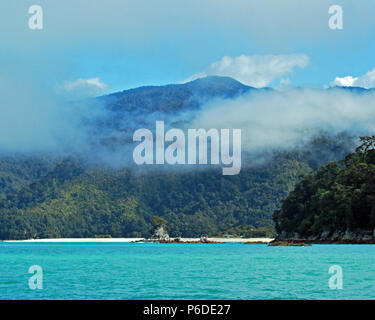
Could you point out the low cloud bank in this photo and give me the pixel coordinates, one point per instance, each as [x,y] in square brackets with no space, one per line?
[287,119]
[35,120]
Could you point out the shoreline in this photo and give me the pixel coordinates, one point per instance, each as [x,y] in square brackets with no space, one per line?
[143,240]
[310,242]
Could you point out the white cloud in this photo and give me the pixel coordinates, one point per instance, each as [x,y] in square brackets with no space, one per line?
[258,70]
[288,118]
[366,81]
[347,81]
[85,87]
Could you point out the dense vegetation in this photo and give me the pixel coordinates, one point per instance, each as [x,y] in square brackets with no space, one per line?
[43,196]
[337,197]
[77,200]
[19,170]
[73,202]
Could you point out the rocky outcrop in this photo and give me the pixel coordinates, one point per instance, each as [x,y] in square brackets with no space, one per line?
[330,236]
[288,244]
[161,234]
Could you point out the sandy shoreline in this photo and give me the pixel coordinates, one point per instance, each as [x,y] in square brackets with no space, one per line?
[128,240]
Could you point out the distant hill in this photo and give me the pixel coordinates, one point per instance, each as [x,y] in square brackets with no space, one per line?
[175,97]
[52,197]
[359,90]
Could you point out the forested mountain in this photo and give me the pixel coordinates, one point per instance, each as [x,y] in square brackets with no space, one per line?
[335,203]
[70,196]
[175,97]
[73,202]
[76,200]
[18,170]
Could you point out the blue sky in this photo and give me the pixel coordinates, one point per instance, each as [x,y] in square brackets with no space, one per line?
[125,44]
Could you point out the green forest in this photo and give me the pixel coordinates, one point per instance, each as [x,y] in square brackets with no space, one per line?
[67,195]
[71,201]
[337,197]
[74,199]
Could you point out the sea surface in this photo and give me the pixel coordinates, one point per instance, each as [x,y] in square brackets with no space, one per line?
[185,271]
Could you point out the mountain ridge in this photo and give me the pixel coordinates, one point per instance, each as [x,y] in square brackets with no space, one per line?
[75,199]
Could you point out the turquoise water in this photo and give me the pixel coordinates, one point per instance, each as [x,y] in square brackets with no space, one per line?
[185,271]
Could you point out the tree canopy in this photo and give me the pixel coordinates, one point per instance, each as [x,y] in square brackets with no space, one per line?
[339,196]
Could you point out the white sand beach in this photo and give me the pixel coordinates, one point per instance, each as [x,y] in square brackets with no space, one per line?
[128,240]
[80,240]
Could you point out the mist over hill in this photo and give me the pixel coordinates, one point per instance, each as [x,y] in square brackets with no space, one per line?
[90,186]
